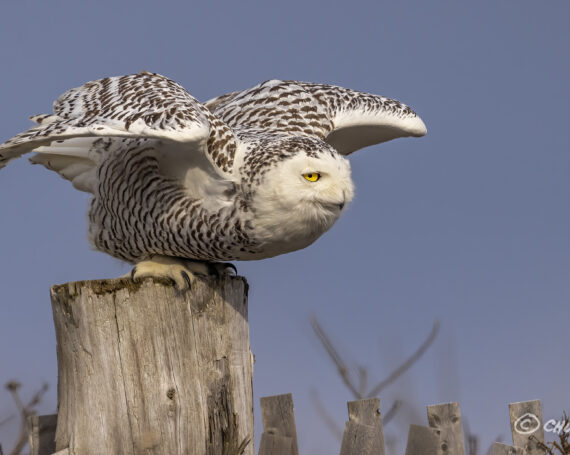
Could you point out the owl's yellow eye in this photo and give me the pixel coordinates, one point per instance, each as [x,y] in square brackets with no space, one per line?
[312,176]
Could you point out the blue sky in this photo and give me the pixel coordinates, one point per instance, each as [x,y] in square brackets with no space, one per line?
[468,225]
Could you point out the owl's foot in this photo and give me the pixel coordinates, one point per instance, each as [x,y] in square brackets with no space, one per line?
[180,271]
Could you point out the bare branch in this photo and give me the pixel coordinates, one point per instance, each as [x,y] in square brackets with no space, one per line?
[2,422]
[358,387]
[408,363]
[25,410]
[562,446]
[471,439]
[37,397]
[391,444]
[326,416]
[362,381]
[335,356]
[20,443]
[388,415]
[13,387]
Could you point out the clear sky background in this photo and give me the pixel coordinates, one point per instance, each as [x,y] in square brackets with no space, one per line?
[469,225]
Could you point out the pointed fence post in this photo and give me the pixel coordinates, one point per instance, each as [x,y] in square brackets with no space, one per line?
[144,368]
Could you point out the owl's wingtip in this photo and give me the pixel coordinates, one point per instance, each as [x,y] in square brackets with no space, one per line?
[417,127]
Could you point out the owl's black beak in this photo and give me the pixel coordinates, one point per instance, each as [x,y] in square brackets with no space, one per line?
[341,205]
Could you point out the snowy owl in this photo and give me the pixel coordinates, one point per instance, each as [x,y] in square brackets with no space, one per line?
[179,187]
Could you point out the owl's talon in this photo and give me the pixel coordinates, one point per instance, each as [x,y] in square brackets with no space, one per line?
[173,269]
[220,269]
[180,271]
[186,278]
[231,266]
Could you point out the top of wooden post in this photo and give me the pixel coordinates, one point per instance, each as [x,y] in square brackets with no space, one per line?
[108,286]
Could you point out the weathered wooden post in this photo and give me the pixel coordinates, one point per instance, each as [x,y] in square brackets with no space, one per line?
[363,433]
[446,419]
[279,435]
[146,369]
[422,440]
[526,426]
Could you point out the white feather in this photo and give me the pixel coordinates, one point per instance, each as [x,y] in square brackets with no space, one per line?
[354,130]
[78,170]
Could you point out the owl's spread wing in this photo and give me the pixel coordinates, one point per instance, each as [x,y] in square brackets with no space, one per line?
[346,119]
[143,105]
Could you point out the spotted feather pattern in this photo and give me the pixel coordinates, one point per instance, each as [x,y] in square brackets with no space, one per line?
[143,104]
[282,107]
[301,108]
[339,100]
[266,150]
[171,176]
[170,222]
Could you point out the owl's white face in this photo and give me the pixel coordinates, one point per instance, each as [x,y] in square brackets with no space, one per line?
[300,199]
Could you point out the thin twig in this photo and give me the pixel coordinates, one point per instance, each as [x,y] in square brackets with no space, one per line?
[388,415]
[37,397]
[326,416]
[408,363]
[335,356]
[2,422]
[391,443]
[25,410]
[358,390]
[22,439]
[563,446]
[362,381]
[13,387]
[471,439]
[489,451]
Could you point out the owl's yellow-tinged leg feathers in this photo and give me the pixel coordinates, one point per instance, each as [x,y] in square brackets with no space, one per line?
[180,271]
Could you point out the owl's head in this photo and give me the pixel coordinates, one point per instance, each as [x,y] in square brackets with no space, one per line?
[319,181]
[303,192]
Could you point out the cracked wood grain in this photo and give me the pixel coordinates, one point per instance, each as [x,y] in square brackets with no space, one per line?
[146,369]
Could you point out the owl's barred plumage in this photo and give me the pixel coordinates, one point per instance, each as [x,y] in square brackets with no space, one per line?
[247,175]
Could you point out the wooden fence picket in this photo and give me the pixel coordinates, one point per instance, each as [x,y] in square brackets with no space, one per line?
[447,419]
[422,440]
[279,432]
[526,426]
[504,449]
[363,434]
[275,444]
[42,434]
